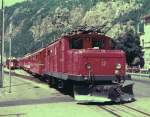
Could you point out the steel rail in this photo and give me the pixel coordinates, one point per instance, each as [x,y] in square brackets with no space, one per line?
[144,113]
[110,111]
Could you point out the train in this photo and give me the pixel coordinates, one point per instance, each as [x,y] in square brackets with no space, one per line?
[11,63]
[85,62]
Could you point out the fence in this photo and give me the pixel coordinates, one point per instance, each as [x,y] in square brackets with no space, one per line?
[137,71]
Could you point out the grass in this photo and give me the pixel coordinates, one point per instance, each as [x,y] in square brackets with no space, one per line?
[23,89]
[21,72]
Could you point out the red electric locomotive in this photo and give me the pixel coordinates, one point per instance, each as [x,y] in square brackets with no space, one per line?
[85,62]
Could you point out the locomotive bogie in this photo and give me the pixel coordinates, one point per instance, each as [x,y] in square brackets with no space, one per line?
[113,91]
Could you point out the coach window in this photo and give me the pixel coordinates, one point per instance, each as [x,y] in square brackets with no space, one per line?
[76,44]
[98,43]
[48,53]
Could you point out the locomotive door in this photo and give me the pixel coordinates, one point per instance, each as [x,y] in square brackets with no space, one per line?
[48,60]
[62,55]
[59,57]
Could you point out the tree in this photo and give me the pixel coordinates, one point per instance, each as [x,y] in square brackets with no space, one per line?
[129,42]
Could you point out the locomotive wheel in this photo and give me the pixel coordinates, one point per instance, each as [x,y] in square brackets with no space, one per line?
[61,84]
[69,88]
[53,82]
[65,86]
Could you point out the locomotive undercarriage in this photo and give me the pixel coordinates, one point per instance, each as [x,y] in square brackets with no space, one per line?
[115,92]
[90,91]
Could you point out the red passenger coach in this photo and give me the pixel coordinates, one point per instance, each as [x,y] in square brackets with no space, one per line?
[34,63]
[37,62]
[86,62]
[25,63]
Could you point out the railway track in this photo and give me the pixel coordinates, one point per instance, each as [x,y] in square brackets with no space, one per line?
[124,110]
[110,111]
[137,110]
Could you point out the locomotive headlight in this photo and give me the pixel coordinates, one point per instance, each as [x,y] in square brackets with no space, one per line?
[118,66]
[117,72]
[88,66]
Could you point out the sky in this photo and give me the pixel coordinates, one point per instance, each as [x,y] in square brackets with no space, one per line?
[10,2]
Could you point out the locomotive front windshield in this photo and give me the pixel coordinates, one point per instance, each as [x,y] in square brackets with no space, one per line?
[76,44]
[99,43]
[86,43]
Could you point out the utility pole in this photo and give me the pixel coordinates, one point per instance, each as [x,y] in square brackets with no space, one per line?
[10,58]
[2,46]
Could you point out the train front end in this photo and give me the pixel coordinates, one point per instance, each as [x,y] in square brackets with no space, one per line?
[99,71]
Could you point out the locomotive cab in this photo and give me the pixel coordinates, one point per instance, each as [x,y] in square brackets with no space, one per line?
[94,53]
[97,69]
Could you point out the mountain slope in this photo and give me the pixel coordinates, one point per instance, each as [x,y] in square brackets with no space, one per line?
[35,23]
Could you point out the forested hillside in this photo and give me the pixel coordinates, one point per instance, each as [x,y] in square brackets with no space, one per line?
[34,23]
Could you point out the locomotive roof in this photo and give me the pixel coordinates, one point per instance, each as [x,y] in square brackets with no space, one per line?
[82,35]
[87,30]
[82,31]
